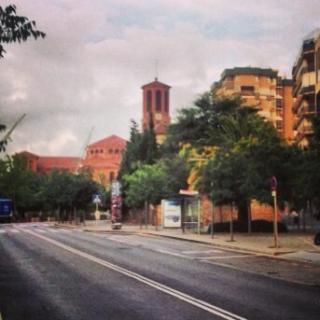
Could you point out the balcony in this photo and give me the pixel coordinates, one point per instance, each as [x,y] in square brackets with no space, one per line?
[308,90]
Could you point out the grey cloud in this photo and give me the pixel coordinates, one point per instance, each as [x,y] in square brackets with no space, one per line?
[89,69]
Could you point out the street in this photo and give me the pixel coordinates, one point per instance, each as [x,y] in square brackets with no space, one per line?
[56,273]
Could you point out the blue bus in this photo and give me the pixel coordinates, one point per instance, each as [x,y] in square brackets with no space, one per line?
[5,210]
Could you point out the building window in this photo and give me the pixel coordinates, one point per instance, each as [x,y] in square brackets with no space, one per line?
[101,151]
[279,125]
[116,151]
[149,100]
[279,103]
[92,152]
[110,151]
[158,100]
[97,151]
[247,89]
[166,101]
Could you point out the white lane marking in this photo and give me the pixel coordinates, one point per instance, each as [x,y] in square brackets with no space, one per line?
[201,251]
[124,240]
[2,231]
[64,230]
[14,231]
[175,254]
[224,314]
[228,257]
[53,230]
[41,231]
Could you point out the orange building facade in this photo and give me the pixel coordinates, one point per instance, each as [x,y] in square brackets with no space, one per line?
[264,90]
[103,158]
[306,89]
[156,107]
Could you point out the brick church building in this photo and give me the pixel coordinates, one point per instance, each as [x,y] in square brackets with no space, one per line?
[103,157]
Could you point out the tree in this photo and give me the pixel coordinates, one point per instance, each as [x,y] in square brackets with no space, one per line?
[14,28]
[2,142]
[66,192]
[198,125]
[249,153]
[20,185]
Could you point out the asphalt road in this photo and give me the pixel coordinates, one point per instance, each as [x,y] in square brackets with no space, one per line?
[48,273]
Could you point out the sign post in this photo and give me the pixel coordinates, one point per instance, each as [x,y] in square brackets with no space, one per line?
[96,199]
[116,205]
[274,184]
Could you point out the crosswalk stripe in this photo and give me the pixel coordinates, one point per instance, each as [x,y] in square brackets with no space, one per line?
[2,231]
[14,231]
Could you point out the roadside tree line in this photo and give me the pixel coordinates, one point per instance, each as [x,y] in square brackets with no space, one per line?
[59,194]
[227,151]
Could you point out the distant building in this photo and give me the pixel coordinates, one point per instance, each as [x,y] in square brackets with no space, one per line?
[45,164]
[264,90]
[103,158]
[156,105]
[306,89]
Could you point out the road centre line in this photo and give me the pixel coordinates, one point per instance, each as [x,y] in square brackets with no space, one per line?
[224,314]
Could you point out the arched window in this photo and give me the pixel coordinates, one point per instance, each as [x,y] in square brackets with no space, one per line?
[166,101]
[149,100]
[158,100]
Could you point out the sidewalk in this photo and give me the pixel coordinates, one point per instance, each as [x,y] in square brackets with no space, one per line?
[294,246]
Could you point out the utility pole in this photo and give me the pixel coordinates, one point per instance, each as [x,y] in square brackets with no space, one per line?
[212,218]
[274,185]
[231,224]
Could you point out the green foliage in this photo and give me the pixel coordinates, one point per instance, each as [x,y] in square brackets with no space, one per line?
[60,190]
[14,28]
[2,142]
[19,184]
[199,124]
[146,184]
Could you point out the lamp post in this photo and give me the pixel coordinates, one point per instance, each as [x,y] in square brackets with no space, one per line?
[274,184]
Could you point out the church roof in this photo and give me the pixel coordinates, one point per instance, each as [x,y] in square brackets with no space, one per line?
[28,155]
[48,162]
[155,83]
[111,141]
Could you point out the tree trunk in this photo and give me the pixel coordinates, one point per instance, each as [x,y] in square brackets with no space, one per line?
[242,206]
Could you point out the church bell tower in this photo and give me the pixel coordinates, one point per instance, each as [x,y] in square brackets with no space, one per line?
[156,107]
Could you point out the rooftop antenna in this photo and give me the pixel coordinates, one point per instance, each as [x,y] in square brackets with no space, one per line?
[83,150]
[156,69]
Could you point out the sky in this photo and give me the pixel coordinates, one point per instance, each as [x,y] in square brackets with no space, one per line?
[97,54]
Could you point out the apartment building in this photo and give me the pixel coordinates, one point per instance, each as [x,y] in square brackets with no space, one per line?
[263,89]
[306,87]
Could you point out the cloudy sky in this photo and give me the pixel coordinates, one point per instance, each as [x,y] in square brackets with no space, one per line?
[89,69]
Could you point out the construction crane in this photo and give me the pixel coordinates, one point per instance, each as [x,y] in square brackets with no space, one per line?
[7,136]
[83,150]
